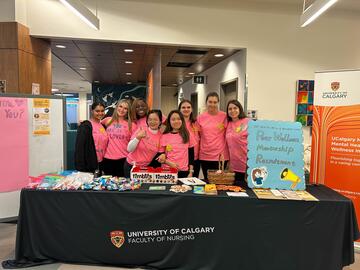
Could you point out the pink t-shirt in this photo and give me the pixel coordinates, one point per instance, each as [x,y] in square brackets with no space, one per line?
[146,149]
[100,139]
[119,137]
[141,123]
[193,129]
[236,139]
[212,136]
[175,150]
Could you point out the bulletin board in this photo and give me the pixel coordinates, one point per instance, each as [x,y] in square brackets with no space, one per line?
[32,142]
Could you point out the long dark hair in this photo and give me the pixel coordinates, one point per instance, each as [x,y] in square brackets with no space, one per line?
[191,118]
[237,104]
[157,112]
[184,133]
[95,104]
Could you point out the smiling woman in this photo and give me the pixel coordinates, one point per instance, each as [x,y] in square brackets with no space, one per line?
[91,142]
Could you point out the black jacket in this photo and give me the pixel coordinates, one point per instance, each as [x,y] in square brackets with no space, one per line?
[85,152]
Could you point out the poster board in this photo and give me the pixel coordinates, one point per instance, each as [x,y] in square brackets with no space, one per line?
[335,155]
[46,153]
[275,155]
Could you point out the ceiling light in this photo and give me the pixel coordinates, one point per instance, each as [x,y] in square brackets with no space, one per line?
[128,62]
[191,73]
[83,12]
[96,81]
[128,73]
[174,84]
[54,90]
[314,11]
[218,55]
[128,83]
[187,76]
[83,68]
[128,50]
[60,46]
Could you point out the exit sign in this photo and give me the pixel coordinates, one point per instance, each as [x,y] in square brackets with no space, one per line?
[199,79]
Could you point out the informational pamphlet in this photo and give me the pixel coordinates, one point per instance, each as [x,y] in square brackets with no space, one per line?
[41,116]
[192,181]
[237,194]
[266,194]
[157,188]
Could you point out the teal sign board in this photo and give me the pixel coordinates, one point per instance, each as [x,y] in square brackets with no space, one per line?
[275,155]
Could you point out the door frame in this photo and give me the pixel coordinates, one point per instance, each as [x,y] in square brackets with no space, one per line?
[222,92]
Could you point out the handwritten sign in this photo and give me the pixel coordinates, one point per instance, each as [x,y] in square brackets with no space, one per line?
[14,144]
[275,155]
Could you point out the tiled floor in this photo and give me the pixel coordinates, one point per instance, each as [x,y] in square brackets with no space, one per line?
[7,247]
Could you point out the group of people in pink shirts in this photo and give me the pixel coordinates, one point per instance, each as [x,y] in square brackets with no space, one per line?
[135,135]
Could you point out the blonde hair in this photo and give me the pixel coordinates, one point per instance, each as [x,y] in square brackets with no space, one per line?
[115,115]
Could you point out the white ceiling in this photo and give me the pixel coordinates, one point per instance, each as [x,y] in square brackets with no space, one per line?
[65,79]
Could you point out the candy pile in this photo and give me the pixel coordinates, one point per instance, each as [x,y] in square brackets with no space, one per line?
[78,180]
[112,183]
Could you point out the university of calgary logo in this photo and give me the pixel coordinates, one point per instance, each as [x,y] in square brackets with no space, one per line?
[117,238]
[335,86]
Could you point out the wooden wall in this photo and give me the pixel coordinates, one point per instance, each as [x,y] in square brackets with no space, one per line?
[24,60]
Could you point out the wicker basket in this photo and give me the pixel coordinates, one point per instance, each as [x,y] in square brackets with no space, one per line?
[221,178]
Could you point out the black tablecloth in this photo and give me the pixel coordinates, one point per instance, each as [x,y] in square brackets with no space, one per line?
[215,232]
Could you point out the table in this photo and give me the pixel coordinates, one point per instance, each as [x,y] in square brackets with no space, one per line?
[164,230]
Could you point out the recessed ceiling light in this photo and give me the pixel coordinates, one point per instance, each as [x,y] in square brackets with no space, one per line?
[129,83]
[96,81]
[60,46]
[218,55]
[128,62]
[128,50]
[174,84]
[54,90]
[191,73]
[83,68]
[128,73]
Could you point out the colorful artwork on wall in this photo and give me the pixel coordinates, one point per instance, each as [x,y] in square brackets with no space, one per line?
[304,102]
[109,94]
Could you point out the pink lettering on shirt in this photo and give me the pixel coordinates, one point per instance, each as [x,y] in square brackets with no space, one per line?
[100,139]
[236,139]
[146,149]
[212,136]
[119,137]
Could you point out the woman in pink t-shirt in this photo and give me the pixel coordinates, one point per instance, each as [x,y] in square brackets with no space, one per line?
[91,142]
[145,143]
[139,110]
[177,145]
[119,128]
[212,124]
[186,108]
[236,139]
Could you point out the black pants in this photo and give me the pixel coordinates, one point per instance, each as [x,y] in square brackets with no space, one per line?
[183,174]
[196,168]
[240,179]
[114,167]
[209,165]
[127,169]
